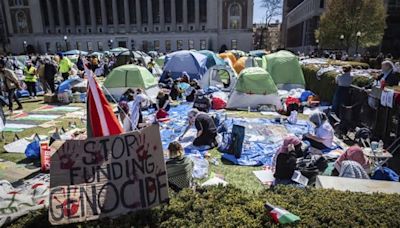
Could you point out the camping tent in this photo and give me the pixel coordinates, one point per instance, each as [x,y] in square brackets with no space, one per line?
[160,61]
[254,87]
[244,62]
[285,69]
[228,55]
[212,58]
[221,76]
[258,53]
[259,62]
[238,53]
[118,50]
[190,62]
[131,76]
[125,56]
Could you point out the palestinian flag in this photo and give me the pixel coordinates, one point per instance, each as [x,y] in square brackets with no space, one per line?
[280,215]
[101,120]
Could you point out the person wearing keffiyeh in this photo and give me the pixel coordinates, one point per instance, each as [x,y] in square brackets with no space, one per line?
[356,168]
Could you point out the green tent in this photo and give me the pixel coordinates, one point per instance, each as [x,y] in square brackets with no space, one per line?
[255,80]
[259,61]
[160,60]
[129,76]
[285,69]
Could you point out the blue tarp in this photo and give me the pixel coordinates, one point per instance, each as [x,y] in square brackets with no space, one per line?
[193,63]
[68,84]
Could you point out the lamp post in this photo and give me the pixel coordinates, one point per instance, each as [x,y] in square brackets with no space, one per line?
[66,42]
[25,46]
[110,44]
[317,42]
[342,40]
[358,39]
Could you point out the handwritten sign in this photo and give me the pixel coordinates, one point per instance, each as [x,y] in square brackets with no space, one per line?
[107,176]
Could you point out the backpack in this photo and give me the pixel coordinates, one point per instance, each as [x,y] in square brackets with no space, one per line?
[232,143]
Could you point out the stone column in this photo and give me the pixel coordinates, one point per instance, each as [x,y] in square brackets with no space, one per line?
[150,15]
[127,16]
[138,16]
[162,17]
[71,15]
[61,15]
[103,13]
[197,14]
[115,14]
[81,13]
[51,16]
[92,15]
[173,15]
[185,15]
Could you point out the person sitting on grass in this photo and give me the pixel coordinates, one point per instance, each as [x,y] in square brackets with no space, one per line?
[285,160]
[179,168]
[352,164]
[206,129]
[202,102]
[163,101]
[176,92]
[324,133]
[190,93]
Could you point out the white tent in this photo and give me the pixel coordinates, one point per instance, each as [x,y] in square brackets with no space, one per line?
[220,76]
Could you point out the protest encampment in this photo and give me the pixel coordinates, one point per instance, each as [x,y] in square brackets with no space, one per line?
[186,113]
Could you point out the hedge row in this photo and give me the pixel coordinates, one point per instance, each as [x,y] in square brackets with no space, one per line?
[325,86]
[231,207]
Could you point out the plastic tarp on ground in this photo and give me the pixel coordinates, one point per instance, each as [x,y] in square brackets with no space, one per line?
[254,87]
[68,84]
[193,63]
[220,76]
[212,58]
[243,63]
[131,76]
[285,69]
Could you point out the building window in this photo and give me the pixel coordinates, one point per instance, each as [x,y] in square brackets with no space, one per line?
[133,45]
[132,11]
[48,46]
[109,12]
[203,11]
[168,29]
[100,46]
[54,8]
[121,12]
[234,16]
[58,46]
[143,11]
[122,44]
[155,6]
[190,11]
[321,4]
[191,28]
[234,44]
[89,30]
[145,29]
[157,29]
[191,44]
[79,30]
[90,46]
[100,30]
[156,45]
[75,9]
[179,11]
[66,13]
[167,11]
[78,45]
[68,30]
[203,27]
[179,44]
[167,45]
[45,12]
[145,45]
[180,28]
[203,44]
[86,10]
[97,10]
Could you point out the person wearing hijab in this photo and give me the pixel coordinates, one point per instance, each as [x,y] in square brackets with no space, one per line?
[324,133]
[389,77]
[285,160]
[354,154]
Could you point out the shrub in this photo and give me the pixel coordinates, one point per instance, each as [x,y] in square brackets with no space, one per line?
[231,207]
[354,64]
[326,85]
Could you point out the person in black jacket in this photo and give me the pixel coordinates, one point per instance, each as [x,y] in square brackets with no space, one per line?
[50,70]
[285,160]
[388,76]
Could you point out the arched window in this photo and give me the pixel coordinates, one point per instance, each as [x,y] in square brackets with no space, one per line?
[234,16]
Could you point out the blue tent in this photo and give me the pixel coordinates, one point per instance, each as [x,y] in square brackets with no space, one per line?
[212,58]
[193,63]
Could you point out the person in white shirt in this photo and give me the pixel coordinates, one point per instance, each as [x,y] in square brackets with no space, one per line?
[324,133]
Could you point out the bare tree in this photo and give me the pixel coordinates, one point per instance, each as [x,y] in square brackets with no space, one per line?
[273,8]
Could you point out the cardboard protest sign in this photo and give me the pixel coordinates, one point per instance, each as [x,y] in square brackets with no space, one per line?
[107,176]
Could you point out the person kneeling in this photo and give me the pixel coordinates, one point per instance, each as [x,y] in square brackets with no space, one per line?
[285,160]
[179,168]
[206,129]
